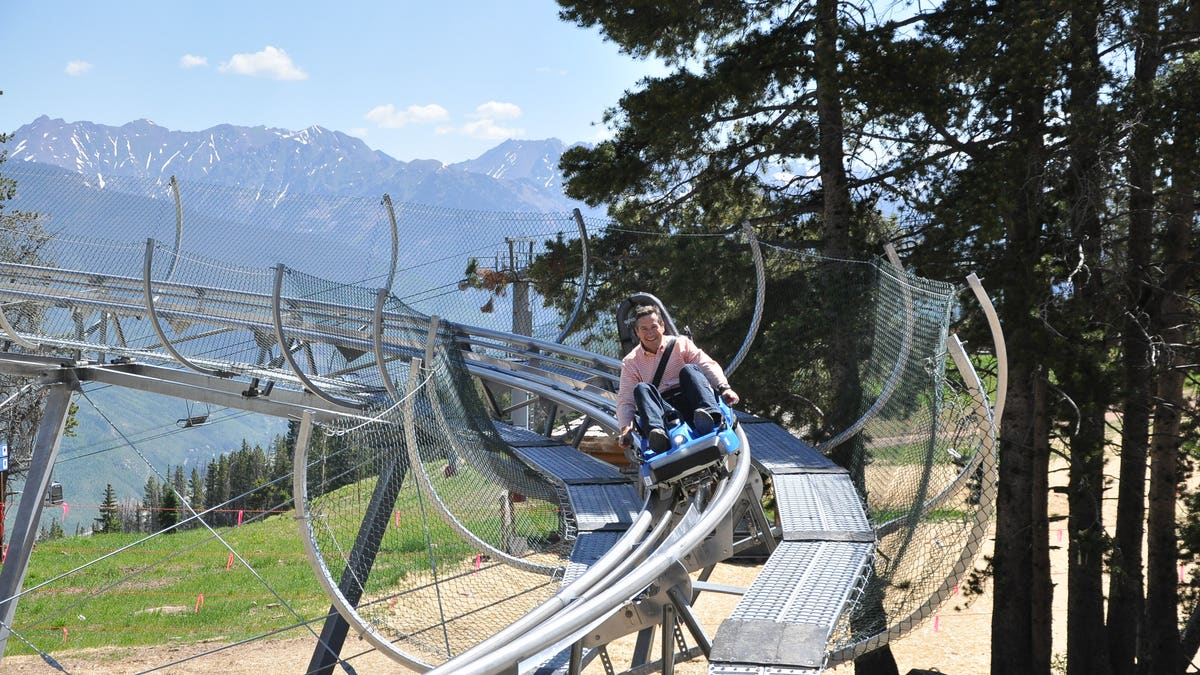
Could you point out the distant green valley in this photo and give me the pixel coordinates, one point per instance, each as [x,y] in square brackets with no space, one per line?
[118,427]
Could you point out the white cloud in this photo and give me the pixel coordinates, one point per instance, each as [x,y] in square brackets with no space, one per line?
[77,68]
[487,129]
[485,122]
[192,61]
[387,117]
[271,62]
[496,110]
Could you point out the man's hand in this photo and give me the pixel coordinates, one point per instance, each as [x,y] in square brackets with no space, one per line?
[730,396]
[625,440]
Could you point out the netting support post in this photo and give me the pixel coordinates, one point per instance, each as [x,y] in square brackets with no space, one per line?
[29,512]
[431,338]
[506,521]
[668,639]
[358,566]
[580,432]
[583,277]
[758,517]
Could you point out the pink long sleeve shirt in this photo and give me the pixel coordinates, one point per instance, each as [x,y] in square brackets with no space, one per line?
[638,366]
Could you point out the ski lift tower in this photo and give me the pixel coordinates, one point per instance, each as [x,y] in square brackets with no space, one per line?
[516,267]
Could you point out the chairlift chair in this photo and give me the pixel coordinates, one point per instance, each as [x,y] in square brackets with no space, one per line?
[193,420]
[54,494]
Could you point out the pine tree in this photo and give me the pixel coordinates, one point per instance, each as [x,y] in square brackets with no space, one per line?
[1165,648]
[210,492]
[281,469]
[168,512]
[130,514]
[216,491]
[109,521]
[151,501]
[53,531]
[195,492]
[178,480]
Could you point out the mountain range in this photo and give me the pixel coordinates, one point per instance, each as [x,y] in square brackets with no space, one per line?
[517,175]
[105,183]
[310,199]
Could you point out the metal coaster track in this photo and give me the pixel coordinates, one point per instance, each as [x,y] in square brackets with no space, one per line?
[159,326]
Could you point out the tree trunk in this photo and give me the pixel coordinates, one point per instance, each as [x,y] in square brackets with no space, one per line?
[1126,594]
[1012,639]
[836,212]
[1041,586]
[1185,207]
[1162,650]
[1013,617]
[835,222]
[1086,646]
[1084,358]
[836,225]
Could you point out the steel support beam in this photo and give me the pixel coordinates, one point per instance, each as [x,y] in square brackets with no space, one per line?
[25,527]
[219,391]
[358,567]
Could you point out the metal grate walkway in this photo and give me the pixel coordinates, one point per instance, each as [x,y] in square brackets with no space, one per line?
[782,624]
[601,498]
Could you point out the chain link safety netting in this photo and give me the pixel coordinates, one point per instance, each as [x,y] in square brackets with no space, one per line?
[415,503]
[463,265]
[922,460]
[434,532]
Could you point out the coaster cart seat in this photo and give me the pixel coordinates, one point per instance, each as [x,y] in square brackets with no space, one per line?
[690,453]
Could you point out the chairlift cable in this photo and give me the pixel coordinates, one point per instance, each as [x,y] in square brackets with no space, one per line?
[167,430]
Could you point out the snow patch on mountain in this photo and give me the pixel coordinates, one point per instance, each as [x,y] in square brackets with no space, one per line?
[517,175]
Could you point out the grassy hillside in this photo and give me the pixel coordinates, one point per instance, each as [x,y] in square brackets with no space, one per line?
[176,587]
[114,590]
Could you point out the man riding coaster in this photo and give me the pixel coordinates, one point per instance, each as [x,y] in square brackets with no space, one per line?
[666,380]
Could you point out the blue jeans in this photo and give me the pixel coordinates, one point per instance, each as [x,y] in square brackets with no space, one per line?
[655,410]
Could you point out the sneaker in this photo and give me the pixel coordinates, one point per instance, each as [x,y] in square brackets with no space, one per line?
[704,422]
[658,440]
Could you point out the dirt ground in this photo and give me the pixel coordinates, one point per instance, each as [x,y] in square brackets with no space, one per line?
[955,641]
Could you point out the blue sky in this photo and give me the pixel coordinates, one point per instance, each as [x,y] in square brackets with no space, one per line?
[417,79]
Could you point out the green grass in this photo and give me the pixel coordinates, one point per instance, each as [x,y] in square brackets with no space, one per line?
[180,587]
[899,454]
[173,587]
[468,495]
[934,516]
